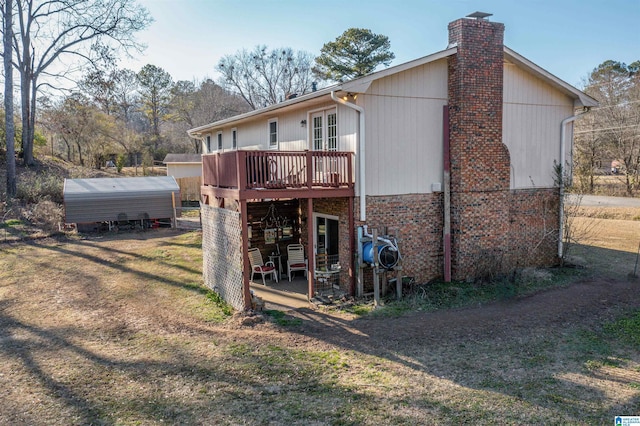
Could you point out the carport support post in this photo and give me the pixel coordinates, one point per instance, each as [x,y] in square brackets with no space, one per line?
[173,203]
[310,249]
[246,289]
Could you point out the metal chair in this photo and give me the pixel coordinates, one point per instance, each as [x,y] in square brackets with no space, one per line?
[259,267]
[296,260]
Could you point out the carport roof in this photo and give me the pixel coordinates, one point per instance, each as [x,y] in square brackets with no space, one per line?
[105,186]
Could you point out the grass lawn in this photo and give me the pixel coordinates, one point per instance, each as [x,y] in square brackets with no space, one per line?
[118,329]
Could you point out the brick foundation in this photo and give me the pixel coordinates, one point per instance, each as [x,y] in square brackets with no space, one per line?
[417,221]
[533,228]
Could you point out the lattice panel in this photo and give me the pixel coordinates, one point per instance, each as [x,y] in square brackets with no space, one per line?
[222,253]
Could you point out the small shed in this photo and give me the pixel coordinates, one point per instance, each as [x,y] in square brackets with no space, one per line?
[183,165]
[117,199]
[187,169]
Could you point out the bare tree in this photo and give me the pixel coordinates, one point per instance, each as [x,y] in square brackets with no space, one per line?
[113,91]
[8,98]
[194,105]
[589,149]
[73,30]
[617,120]
[87,131]
[264,77]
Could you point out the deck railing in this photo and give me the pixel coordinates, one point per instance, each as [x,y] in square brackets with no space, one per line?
[278,169]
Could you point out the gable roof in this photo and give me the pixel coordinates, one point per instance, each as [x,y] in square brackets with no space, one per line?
[182,158]
[361,84]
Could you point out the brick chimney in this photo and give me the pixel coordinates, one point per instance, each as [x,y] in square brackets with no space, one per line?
[480,163]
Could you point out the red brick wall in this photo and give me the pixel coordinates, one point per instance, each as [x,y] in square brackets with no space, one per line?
[533,232]
[417,221]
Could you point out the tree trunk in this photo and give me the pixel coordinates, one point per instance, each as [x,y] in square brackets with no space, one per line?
[80,153]
[25,92]
[28,156]
[68,148]
[8,99]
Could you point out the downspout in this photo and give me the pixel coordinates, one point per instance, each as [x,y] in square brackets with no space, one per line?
[361,161]
[563,142]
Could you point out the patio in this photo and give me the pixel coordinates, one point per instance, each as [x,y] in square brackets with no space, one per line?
[283,295]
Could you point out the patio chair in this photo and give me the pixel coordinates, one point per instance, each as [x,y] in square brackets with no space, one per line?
[259,267]
[322,273]
[296,260]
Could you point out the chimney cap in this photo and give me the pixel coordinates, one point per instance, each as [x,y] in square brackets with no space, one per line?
[479,15]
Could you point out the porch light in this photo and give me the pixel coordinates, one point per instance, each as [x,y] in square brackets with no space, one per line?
[303,123]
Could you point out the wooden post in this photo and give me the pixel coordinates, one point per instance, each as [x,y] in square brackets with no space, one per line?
[246,267]
[398,268]
[309,160]
[352,237]
[376,277]
[360,265]
[310,249]
[173,202]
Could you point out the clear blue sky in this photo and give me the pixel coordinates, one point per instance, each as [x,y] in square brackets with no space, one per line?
[566,37]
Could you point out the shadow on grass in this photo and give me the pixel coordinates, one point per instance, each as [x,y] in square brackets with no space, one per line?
[239,386]
[604,262]
[80,253]
[514,353]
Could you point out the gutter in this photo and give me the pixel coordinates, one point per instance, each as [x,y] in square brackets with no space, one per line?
[361,160]
[562,155]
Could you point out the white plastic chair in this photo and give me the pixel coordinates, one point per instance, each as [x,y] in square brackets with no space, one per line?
[259,267]
[296,260]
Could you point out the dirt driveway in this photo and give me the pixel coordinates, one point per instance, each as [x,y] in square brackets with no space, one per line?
[117,330]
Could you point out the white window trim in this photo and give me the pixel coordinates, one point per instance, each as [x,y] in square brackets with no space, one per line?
[208,144]
[219,141]
[273,120]
[234,138]
[315,224]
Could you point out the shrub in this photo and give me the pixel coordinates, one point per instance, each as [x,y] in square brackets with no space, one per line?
[46,215]
[120,160]
[35,187]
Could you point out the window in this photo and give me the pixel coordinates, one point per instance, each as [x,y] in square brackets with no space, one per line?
[208,143]
[317,132]
[332,132]
[273,134]
[234,138]
[219,141]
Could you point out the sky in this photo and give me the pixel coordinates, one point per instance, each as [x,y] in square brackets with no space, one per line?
[568,38]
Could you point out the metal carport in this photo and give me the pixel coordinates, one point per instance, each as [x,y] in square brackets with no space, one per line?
[113,199]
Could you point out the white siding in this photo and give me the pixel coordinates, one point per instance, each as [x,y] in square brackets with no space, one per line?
[532,114]
[178,170]
[404,120]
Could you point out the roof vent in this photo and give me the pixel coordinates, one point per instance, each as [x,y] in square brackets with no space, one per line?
[479,15]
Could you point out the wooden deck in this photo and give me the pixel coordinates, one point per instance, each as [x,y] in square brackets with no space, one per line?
[244,175]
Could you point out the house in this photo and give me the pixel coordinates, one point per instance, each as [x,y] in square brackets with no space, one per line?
[187,170]
[452,153]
